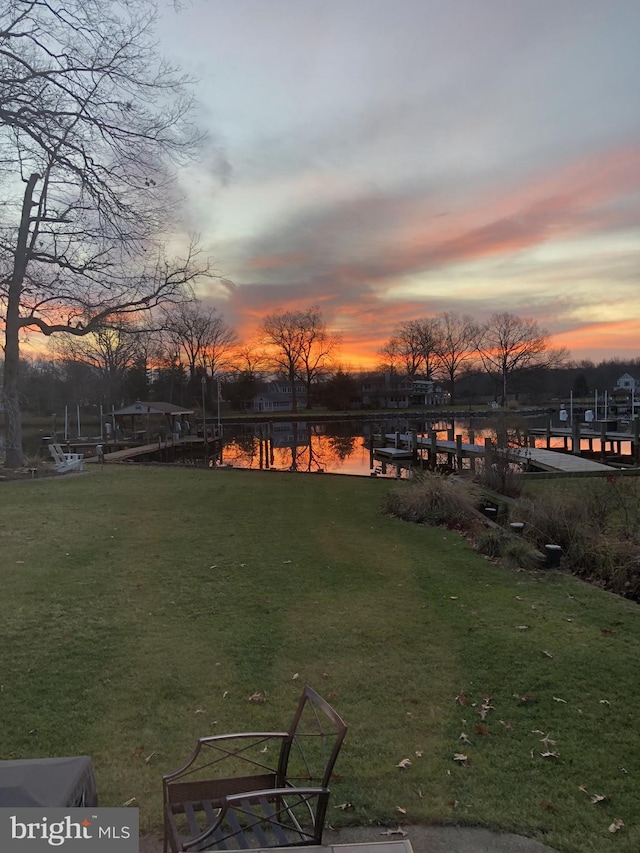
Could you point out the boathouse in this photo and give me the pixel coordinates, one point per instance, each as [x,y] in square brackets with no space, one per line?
[147,420]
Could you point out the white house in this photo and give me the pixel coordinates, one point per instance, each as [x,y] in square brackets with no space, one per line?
[628,383]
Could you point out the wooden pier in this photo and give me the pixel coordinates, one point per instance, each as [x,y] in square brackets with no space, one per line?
[410,446]
[167,447]
[558,461]
[610,440]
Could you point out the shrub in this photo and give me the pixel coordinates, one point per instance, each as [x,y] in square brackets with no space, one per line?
[432,499]
[512,551]
[597,531]
[502,474]
[491,542]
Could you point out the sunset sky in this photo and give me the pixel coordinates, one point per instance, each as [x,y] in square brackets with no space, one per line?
[392,159]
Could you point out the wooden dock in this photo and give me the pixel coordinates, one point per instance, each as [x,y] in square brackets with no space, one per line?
[129,454]
[557,461]
[411,446]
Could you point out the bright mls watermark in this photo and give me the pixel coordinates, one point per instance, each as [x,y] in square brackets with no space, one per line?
[34,830]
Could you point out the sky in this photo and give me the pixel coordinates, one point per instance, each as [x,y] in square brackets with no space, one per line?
[394,159]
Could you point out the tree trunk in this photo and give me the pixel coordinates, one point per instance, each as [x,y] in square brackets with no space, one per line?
[294,393]
[10,394]
[452,385]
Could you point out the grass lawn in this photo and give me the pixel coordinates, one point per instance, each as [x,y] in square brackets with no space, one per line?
[141,608]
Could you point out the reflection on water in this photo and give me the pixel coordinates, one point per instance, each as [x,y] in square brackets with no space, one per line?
[345,446]
[332,448]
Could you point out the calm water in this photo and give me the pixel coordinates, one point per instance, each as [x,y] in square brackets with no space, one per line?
[344,447]
[341,447]
[337,447]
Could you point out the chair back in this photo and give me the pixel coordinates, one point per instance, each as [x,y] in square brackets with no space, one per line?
[315,738]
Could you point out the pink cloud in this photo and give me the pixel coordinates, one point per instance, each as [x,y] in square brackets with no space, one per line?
[348,259]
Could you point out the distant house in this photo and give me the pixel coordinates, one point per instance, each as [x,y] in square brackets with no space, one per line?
[625,395]
[425,392]
[278,397]
[628,383]
[396,391]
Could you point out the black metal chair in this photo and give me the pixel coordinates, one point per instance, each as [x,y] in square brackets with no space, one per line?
[230,795]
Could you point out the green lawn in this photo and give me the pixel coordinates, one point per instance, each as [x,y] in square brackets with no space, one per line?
[134,599]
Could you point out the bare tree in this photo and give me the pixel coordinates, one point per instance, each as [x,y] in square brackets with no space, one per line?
[455,346]
[319,346]
[250,361]
[201,334]
[90,124]
[299,346]
[508,343]
[111,351]
[413,348]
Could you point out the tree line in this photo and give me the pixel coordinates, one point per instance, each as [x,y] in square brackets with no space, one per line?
[173,352]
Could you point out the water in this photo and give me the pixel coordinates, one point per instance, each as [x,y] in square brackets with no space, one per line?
[343,447]
[335,447]
[339,447]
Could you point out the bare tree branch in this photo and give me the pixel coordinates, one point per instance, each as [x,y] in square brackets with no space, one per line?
[92,123]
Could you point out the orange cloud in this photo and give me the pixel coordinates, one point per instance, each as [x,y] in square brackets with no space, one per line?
[616,337]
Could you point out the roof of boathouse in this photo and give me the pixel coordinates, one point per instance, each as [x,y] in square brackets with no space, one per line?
[152,408]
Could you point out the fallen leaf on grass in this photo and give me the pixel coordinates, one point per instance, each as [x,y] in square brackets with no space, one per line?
[133,799]
[344,806]
[149,757]
[523,699]
[482,730]
[547,741]
[401,810]
[138,752]
[522,627]
[546,653]
[264,749]
[295,676]
[464,737]
[606,631]
[598,798]
[258,698]
[419,753]
[549,754]
[547,806]
[605,702]
[453,804]
[461,759]
[558,699]
[461,699]
[508,726]
[406,762]
[616,825]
